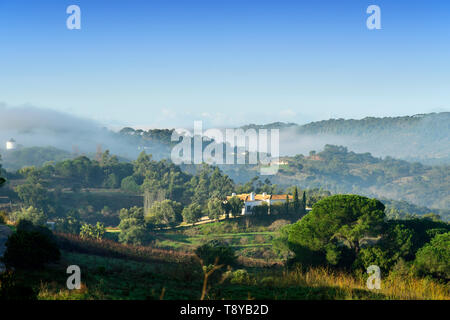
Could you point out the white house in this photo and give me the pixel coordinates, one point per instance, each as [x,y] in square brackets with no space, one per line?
[252,200]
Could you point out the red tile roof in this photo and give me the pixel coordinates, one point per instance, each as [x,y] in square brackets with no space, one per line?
[259,197]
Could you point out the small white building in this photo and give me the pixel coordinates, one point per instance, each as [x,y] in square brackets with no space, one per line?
[11,144]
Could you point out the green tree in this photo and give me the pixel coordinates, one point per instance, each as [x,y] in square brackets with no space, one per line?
[335,228]
[166,212]
[192,213]
[143,164]
[236,205]
[396,244]
[286,205]
[70,223]
[133,228]
[209,183]
[129,184]
[376,255]
[111,181]
[32,214]
[215,208]
[33,194]
[108,160]
[133,233]
[90,231]
[303,204]
[296,201]
[434,257]
[133,213]
[227,209]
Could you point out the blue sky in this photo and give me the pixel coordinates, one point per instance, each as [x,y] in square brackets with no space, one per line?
[167,63]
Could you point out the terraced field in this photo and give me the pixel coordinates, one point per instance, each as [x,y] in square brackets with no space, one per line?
[236,240]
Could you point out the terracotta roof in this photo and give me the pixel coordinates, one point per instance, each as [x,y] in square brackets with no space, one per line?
[259,197]
[281,197]
[262,197]
[242,196]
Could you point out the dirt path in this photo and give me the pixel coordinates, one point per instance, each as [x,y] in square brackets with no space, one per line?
[5,231]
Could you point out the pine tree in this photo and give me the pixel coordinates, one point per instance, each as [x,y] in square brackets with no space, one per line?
[304,202]
[296,201]
[286,205]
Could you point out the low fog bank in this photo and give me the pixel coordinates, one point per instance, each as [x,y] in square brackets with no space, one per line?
[292,143]
[31,126]
[426,141]
[423,139]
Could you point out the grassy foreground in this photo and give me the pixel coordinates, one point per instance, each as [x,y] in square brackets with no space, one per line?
[115,271]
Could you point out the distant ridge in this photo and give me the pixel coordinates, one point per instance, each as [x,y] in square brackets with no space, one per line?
[401,121]
[420,137]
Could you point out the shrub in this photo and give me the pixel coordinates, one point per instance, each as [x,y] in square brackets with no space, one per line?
[32,248]
[278,224]
[240,276]
[28,226]
[261,210]
[373,256]
[260,239]
[215,250]
[135,234]
[268,281]
[243,241]
[10,289]
[280,243]
[402,269]
[36,216]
